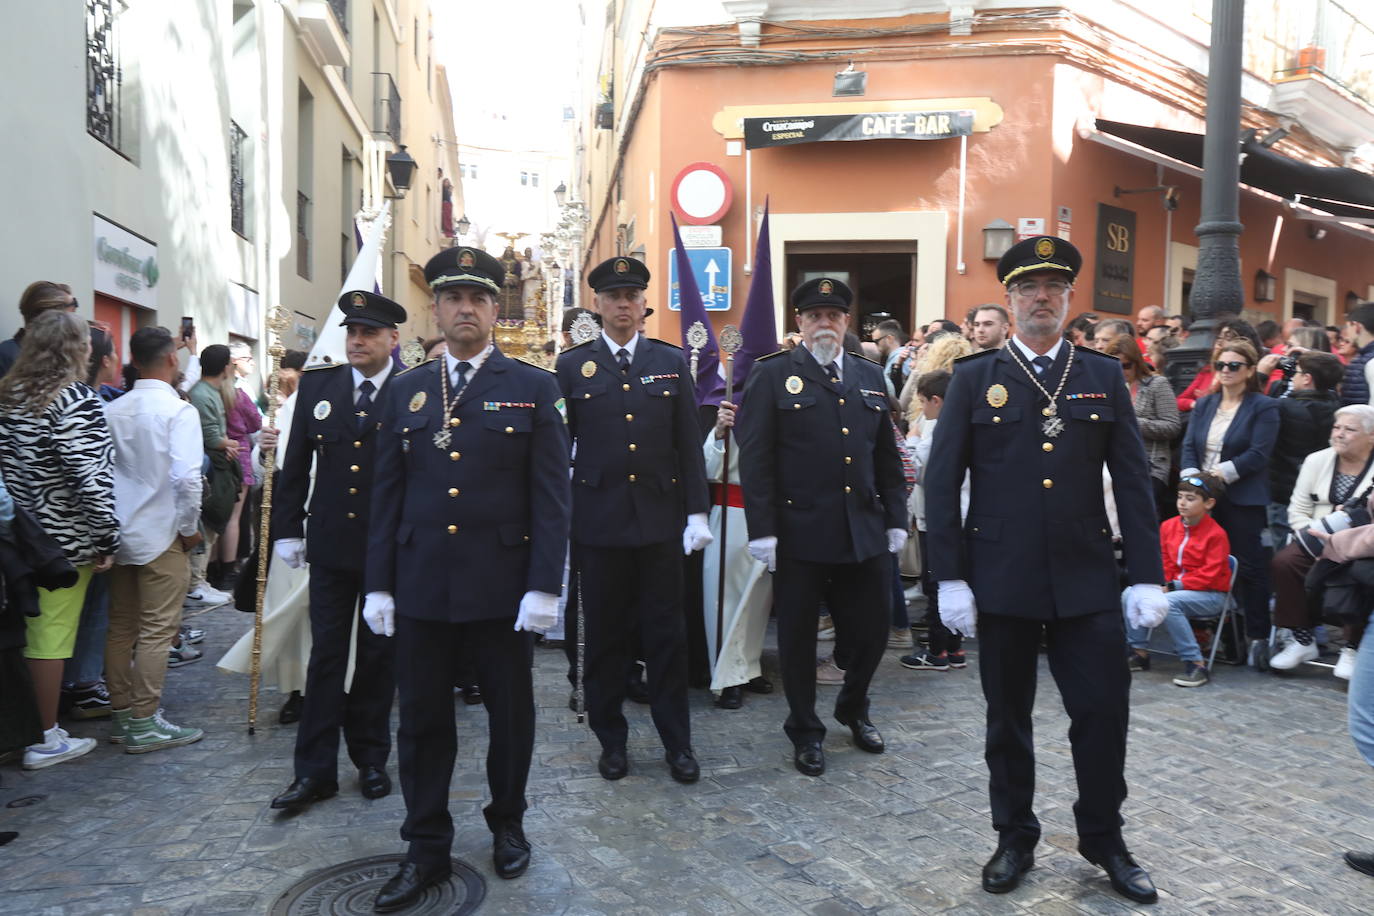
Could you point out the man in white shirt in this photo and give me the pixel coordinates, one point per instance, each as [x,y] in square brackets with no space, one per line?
[158,454]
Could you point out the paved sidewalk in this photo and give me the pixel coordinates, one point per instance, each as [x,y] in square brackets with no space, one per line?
[1244,794]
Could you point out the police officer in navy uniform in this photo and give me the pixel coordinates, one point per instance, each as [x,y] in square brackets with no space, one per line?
[639,497]
[335,428]
[826,503]
[1033,424]
[470,519]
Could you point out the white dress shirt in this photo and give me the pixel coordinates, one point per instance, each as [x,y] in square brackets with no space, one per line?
[475,362]
[1030,355]
[839,362]
[630,347]
[377,381]
[157,480]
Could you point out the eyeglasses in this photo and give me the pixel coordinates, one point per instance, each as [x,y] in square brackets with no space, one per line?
[1230,365]
[1228,334]
[1028,288]
[1197,482]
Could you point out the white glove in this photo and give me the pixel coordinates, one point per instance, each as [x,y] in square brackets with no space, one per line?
[291,551]
[538,612]
[957,610]
[379,613]
[1146,606]
[896,539]
[696,535]
[765,550]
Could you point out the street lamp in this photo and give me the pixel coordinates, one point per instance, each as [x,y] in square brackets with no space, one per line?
[998,236]
[560,193]
[463,225]
[401,167]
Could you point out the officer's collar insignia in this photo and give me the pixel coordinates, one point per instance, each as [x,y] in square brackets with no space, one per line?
[588,369]
[359,301]
[418,401]
[622,266]
[466,258]
[322,409]
[997,395]
[794,384]
[826,288]
[1044,249]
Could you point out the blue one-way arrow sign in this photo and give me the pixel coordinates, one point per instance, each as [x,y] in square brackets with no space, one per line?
[712,269]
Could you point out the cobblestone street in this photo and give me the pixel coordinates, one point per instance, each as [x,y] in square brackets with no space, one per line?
[1244,794]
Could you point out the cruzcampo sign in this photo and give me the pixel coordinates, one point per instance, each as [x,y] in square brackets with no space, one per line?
[125,265]
[878,125]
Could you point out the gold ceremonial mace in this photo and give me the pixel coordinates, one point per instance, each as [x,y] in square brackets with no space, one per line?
[730,341]
[696,339]
[278,320]
[584,328]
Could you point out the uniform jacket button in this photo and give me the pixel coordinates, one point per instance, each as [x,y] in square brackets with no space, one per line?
[452,529]
[357,443]
[844,430]
[633,478]
[997,419]
[352,491]
[625,387]
[454,456]
[633,447]
[510,429]
[846,489]
[454,421]
[1092,417]
[354,468]
[1047,483]
[1047,446]
[453,491]
[352,515]
[629,417]
[841,402]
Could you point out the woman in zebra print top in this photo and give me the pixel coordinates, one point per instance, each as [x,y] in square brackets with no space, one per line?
[57,460]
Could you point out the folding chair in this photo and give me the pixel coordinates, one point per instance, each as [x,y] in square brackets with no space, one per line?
[1228,612]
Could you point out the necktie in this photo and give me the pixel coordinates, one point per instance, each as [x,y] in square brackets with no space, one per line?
[462,381]
[833,371]
[622,357]
[364,402]
[1042,364]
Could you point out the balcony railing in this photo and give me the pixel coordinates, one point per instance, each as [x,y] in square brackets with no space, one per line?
[1340,48]
[103,75]
[386,107]
[302,235]
[340,8]
[237,182]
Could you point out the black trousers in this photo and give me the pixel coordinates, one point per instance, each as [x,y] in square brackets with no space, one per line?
[364,712]
[427,740]
[859,600]
[622,586]
[1244,526]
[1086,656]
[570,633]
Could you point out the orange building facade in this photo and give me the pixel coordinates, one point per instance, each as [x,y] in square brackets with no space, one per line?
[906,220]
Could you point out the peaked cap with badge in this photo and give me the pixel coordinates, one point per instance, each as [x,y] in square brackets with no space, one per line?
[1044,252]
[463,266]
[615,273]
[822,292]
[361,307]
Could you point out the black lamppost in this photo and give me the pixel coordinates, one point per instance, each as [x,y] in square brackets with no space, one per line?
[1217,288]
[401,167]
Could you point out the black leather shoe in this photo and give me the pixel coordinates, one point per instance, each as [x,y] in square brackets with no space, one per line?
[374,782]
[1361,861]
[683,765]
[472,694]
[1004,870]
[809,758]
[304,791]
[759,685]
[408,885]
[866,737]
[730,698]
[613,764]
[510,851]
[291,709]
[1128,879]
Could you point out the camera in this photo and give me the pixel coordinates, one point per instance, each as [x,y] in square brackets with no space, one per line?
[1288,365]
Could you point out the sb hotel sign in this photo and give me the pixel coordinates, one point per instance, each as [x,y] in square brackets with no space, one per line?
[1115,260]
[125,265]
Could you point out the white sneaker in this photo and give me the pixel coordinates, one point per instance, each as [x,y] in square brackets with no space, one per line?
[1293,655]
[57,747]
[1345,665]
[205,596]
[914,592]
[825,628]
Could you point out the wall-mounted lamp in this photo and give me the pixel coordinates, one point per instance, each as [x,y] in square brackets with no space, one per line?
[401,167]
[560,194]
[1169,191]
[1315,232]
[998,236]
[463,225]
[1266,284]
[850,81]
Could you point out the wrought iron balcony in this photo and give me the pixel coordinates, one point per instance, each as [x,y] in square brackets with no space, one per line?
[386,107]
[237,182]
[103,73]
[340,8]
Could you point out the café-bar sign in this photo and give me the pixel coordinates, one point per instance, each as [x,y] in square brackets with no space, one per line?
[760,133]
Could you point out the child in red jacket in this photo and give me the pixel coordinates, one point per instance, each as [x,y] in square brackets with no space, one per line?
[1195,551]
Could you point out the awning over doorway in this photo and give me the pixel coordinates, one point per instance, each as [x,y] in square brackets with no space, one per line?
[1338,191]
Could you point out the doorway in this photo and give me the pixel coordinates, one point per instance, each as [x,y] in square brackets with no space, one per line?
[881,274]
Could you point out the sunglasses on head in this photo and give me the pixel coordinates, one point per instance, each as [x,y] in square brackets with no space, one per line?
[1230,365]
[1197,482]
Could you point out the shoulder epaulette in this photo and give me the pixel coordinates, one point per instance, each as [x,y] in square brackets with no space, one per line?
[532,365]
[665,343]
[576,345]
[323,366]
[771,355]
[979,355]
[416,366]
[1078,349]
[862,357]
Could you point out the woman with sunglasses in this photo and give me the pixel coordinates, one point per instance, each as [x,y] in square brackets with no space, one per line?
[1227,331]
[1233,432]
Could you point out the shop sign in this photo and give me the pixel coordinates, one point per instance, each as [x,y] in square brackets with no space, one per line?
[125,264]
[1028,227]
[879,125]
[1115,258]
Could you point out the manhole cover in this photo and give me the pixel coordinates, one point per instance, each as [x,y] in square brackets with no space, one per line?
[349,888]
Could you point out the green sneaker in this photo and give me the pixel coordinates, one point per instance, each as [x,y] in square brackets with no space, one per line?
[155,733]
[119,725]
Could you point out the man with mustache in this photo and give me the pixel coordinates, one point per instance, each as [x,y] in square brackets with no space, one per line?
[1032,424]
[826,503]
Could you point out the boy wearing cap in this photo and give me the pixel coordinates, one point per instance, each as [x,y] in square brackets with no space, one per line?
[1030,423]
[335,426]
[825,501]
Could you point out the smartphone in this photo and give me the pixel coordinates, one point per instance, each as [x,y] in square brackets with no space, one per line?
[188,329]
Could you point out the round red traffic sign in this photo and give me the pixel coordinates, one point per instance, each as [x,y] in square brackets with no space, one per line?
[701,193]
